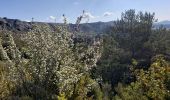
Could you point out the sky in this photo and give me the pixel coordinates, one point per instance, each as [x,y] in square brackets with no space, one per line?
[96,10]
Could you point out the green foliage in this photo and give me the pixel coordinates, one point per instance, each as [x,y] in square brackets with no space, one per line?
[159,42]
[124,47]
[133,30]
[6,85]
[61,97]
[51,63]
[132,92]
[47,67]
[149,84]
[87,88]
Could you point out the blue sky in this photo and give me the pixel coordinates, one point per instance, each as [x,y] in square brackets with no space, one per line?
[97,10]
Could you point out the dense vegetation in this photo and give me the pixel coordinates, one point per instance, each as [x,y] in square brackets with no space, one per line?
[130,61]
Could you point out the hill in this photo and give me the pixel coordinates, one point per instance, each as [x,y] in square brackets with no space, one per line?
[165,24]
[96,27]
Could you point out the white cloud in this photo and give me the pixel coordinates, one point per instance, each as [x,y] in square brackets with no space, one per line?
[27,20]
[106,14]
[88,15]
[52,18]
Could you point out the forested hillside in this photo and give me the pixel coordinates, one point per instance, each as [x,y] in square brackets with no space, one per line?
[126,59]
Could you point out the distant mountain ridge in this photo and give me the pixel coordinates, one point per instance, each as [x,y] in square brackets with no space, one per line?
[18,25]
[165,22]
[96,27]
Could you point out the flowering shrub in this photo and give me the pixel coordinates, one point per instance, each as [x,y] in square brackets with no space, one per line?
[54,58]
[46,65]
